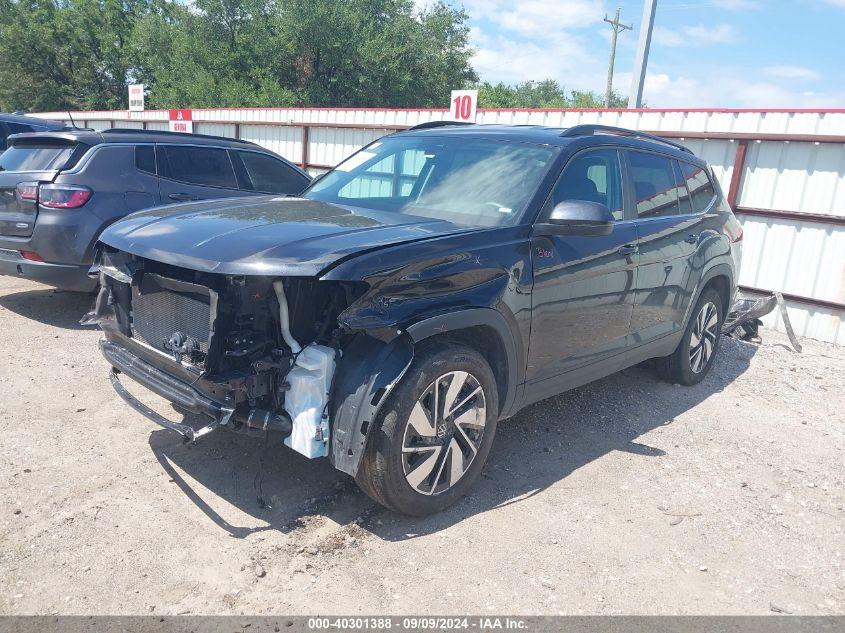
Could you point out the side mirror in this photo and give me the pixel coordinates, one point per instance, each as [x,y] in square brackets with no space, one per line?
[577,217]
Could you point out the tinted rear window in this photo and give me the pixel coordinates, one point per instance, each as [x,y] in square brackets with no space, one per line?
[20,128]
[35,157]
[145,158]
[198,165]
[270,175]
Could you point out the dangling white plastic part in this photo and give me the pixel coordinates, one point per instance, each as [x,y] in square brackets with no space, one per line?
[284,320]
[310,380]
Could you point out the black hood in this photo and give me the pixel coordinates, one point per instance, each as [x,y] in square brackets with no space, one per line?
[264,235]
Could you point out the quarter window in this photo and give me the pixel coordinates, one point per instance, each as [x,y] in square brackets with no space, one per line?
[593,176]
[655,187]
[208,166]
[683,193]
[145,158]
[699,185]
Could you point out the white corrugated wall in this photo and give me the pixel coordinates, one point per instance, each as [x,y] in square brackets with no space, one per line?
[797,256]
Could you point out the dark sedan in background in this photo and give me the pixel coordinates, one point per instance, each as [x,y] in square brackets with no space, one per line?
[20,124]
[60,189]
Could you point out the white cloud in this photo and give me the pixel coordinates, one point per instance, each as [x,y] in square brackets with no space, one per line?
[697,35]
[505,59]
[721,90]
[792,72]
[736,5]
[537,17]
[836,3]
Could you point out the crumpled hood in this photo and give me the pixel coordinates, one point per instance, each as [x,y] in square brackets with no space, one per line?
[264,235]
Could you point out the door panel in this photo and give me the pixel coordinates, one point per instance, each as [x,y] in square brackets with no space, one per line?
[668,241]
[582,300]
[583,292]
[667,275]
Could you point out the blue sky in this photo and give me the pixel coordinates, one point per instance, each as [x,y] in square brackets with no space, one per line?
[730,53]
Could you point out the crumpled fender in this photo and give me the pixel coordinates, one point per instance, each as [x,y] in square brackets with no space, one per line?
[365,376]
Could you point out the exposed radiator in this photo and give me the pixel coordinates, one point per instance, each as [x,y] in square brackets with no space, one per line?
[160,312]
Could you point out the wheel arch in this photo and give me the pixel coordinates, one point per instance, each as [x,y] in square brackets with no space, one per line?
[721,278]
[486,331]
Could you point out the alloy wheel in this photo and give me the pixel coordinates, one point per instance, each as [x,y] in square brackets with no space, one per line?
[443,433]
[703,337]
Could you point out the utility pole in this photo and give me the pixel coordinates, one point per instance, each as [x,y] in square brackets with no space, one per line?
[618,27]
[635,98]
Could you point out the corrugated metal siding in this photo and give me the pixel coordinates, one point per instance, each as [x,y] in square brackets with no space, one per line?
[805,177]
[330,146]
[285,141]
[795,256]
[215,129]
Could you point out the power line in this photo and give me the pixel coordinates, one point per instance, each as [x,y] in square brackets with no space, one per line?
[618,27]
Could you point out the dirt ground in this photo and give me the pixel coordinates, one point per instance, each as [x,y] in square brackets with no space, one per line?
[626,496]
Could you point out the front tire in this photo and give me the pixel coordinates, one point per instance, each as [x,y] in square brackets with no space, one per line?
[691,361]
[434,432]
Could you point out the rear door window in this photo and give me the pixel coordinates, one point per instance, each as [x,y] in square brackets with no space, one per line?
[205,166]
[260,172]
[655,188]
[700,188]
[35,157]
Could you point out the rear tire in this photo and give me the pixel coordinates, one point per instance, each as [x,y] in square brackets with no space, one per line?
[691,361]
[434,432]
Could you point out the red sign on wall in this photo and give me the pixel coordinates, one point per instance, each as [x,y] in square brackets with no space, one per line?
[181,121]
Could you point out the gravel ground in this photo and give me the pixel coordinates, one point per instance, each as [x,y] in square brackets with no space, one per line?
[626,496]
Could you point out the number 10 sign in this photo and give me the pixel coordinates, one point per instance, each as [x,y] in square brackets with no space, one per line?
[463,105]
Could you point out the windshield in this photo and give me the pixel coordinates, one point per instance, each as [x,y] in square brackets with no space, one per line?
[35,157]
[466,181]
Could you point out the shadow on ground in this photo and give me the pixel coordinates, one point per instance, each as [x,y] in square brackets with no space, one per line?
[533,450]
[50,306]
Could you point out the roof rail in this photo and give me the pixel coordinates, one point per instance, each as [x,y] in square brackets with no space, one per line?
[431,124]
[590,129]
[126,130]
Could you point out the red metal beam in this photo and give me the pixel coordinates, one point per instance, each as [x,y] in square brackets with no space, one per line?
[821,218]
[304,162]
[818,303]
[736,175]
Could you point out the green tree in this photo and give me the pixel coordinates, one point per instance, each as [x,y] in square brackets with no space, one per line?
[540,94]
[65,55]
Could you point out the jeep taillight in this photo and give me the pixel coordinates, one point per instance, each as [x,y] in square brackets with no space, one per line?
[63,196]
[27,191]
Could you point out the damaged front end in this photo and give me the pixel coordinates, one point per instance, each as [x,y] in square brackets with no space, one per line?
[248,353]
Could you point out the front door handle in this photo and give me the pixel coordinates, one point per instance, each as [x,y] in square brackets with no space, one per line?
[628,249]
[182,197]
[692,238]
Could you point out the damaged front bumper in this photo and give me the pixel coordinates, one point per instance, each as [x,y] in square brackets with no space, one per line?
[184,396]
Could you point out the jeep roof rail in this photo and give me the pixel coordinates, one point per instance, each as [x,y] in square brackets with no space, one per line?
[431,124]
[125,130]
[589,129]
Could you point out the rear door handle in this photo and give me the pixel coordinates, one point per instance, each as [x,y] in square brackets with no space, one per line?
[628,249]
[182,197]
[692,238]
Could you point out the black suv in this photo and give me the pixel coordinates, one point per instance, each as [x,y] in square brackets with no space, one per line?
[19,124]
[59,190]
[434,283]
